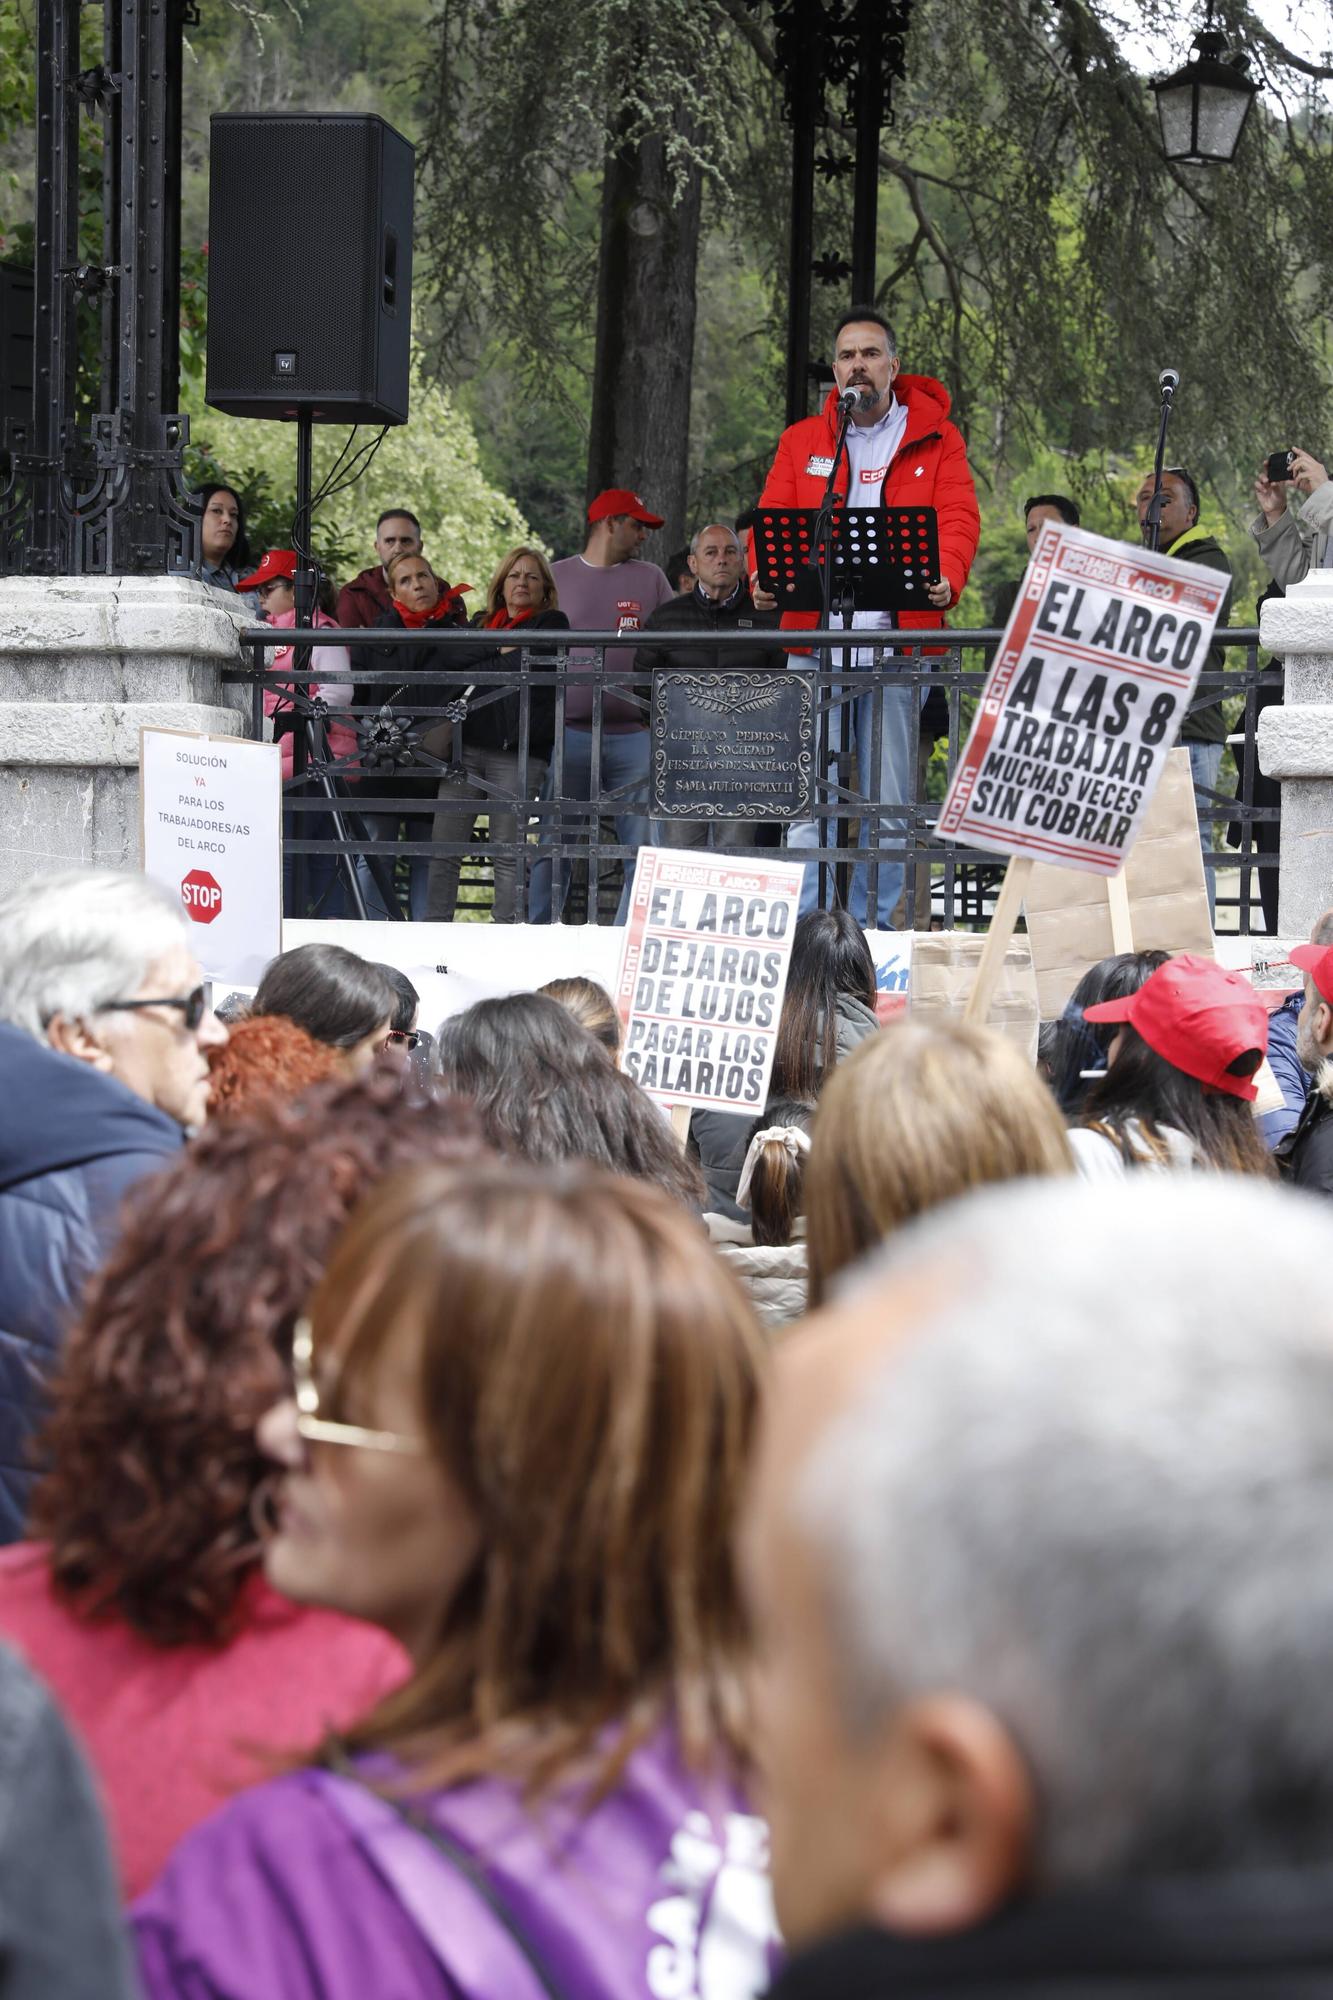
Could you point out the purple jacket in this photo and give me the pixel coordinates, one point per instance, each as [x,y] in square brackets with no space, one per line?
[309,1888]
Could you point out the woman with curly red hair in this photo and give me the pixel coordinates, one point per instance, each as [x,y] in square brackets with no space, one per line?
[263,1060]
[144,1605]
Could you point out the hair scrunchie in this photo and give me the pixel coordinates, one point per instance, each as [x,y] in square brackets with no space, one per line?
[793,1138]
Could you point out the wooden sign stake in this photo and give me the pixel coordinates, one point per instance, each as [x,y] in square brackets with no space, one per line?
[1122,924]
[680,1123]
[1007,906]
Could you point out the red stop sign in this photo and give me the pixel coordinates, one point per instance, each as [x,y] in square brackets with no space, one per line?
[201,896]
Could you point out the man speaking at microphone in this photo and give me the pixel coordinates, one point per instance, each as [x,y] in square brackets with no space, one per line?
[902,451]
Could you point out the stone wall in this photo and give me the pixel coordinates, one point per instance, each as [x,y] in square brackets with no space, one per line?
[85,663]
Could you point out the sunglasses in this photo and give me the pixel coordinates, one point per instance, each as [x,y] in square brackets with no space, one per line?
[193,1005]
[322,1430]
[403,1038]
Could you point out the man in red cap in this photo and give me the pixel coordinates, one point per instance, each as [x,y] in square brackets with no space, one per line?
[606,589]
[1305,1156]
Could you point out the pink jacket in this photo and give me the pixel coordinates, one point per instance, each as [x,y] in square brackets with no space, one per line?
[338,694]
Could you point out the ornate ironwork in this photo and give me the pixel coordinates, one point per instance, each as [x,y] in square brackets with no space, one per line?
[855,50]
[105,495]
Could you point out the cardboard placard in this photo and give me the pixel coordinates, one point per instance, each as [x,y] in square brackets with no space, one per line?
[1083,701]
[1069,918]
[944,970]
[703,968]
[211,833]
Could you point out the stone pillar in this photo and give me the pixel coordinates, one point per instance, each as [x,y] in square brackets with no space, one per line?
[1296,745]
[84,663]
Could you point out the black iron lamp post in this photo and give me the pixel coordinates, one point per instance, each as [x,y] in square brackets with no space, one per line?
[1202,108]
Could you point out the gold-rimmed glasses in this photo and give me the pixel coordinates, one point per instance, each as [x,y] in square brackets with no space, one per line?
[322,1430]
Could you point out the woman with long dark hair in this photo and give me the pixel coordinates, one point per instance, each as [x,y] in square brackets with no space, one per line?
[1073,1046]
[335,995]
[827,1011]
[548,1091]
[525,1405]
[1179,1088]
[224,547]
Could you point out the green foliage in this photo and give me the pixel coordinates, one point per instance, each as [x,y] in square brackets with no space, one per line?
[430,464]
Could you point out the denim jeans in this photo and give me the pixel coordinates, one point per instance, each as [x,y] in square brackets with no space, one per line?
[899,709]
[1205,764]
[460,802]
[416,825]
[624,765]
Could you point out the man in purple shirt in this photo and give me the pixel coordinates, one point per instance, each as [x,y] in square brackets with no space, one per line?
[606,589]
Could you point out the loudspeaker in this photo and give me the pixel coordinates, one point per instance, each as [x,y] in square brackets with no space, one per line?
[309,267]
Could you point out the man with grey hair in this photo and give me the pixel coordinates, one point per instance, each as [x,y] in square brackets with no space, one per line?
[900,451]
[1041,1591]
[1305,1155]
[105,1024]
[719,601]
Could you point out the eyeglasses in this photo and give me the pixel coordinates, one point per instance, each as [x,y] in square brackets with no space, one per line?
[403,1038]
[266,590]
[193,1005]
[321,1430]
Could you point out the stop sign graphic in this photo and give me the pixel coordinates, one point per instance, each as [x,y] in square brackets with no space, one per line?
[201,896]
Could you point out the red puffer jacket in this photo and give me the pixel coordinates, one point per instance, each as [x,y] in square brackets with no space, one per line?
[929,468]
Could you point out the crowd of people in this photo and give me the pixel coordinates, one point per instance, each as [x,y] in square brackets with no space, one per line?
[492,755]
[461,1535]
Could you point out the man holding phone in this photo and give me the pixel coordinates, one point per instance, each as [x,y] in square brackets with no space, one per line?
[1292,544]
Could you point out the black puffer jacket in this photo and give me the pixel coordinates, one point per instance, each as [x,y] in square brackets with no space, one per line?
[1305,1156]
[692,613]
[72,1144]
[494,714]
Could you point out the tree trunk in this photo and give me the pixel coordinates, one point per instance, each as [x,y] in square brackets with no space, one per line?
[645,336]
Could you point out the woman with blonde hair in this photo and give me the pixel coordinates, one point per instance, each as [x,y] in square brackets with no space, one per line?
[524,1410]
[592,1007]
[918,1114]
[521,601]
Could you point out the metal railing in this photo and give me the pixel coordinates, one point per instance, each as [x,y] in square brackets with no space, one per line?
[554,825]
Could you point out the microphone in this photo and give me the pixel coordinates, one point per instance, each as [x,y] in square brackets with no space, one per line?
[1168,382]
[857,396]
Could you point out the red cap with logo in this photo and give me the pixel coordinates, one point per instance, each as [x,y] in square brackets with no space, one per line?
[620,500]
[1317,960]
[276,563]
[1197,1016]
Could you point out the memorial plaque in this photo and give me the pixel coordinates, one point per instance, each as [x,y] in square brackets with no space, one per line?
[732,745]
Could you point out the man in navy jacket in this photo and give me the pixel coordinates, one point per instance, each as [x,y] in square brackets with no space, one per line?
[105,1023]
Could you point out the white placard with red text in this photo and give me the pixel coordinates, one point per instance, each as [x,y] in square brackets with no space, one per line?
[212,835]
[1083,702]
[703,968]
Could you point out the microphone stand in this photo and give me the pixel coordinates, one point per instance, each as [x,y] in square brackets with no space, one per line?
[821,556]
[1152,520]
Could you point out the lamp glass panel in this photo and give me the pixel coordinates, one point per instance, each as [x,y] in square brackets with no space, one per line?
[1221,115]
[1175,112]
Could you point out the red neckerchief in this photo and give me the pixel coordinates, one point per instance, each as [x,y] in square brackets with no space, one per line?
[500,620]
[449,606]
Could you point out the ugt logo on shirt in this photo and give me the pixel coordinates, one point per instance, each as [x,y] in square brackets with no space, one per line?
[627,614]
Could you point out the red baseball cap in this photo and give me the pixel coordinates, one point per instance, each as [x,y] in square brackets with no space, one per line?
[1317,960]
[620,500]
[1197,1016]
[276,563]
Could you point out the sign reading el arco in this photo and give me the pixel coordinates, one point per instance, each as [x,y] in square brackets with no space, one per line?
[1086,696]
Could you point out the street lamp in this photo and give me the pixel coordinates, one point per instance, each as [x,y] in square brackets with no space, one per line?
[1202,108]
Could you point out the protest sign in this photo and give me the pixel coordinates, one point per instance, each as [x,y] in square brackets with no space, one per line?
[703,969]
[211,834]
[1070,921]
[1085,698]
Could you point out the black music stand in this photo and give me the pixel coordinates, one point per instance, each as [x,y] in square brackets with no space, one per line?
[883,559]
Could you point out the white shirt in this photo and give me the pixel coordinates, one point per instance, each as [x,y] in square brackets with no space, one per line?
[871,449]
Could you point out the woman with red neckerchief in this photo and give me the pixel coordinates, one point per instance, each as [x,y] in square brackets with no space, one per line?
[520,600]
[420,600]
